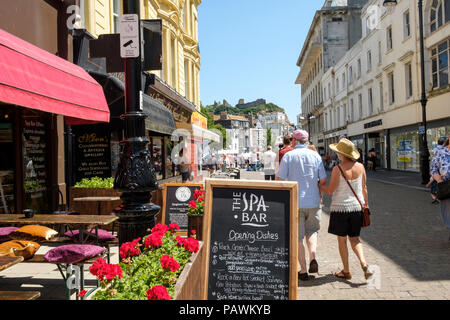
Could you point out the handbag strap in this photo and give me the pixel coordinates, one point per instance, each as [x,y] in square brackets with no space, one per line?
[342,172]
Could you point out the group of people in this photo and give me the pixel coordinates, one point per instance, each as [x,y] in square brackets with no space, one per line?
[300,162]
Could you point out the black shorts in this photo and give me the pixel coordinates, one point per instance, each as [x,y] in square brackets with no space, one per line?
[345,223]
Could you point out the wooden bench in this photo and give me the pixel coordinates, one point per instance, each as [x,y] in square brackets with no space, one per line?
[19,295]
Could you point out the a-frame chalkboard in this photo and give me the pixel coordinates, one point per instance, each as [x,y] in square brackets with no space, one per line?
[251,240]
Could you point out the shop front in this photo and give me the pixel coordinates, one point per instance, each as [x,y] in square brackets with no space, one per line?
[36,89]
[404,144]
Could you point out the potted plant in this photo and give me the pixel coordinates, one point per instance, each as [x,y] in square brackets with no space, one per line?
[195,213]
[151,269]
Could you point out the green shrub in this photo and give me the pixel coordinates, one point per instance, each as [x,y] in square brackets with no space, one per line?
[95,182]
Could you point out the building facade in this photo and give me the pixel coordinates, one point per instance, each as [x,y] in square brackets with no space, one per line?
[372,95]
[336,27]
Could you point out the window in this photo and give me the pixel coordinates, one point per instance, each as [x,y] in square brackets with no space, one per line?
[186,78]
[381,96]
[359,68]
[116,14]
[369,60]
[440,64]
[389,38]
[352,110]
[360,106]
[173,53]
[379,52]
[350,75]
[391,88]
[370,101]
[329,89]
[343,80]
[408,78]
[406,25]
[337,85]
[439,13]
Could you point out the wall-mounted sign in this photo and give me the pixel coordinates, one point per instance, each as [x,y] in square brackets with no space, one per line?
[373,124]
[251,239]
[91,151]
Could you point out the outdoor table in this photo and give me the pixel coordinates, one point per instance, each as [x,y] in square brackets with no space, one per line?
[6,262]
[99,201]
[80,222]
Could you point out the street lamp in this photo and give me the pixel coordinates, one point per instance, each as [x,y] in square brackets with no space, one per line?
[424,152]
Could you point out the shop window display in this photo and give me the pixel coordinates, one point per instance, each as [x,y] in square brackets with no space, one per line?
[405,151]
[6,163]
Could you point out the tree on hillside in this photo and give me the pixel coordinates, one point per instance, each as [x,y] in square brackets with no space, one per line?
[269,137]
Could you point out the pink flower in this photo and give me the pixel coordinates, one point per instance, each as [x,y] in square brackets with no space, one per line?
[192,204]
[129,249]
[180,241]
[191,245]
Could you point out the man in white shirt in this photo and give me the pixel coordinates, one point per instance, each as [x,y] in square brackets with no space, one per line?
[253,160]
[269,158]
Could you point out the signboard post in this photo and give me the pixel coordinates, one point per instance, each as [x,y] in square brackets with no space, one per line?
[129,36]
[251,240]
[176,199]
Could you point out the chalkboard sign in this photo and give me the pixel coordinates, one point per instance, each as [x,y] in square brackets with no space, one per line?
[91,151]
[176,199]
[251,238]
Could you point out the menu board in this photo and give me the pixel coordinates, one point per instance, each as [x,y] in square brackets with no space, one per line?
[252,242]
[35,151]
[91,151]
[176,200]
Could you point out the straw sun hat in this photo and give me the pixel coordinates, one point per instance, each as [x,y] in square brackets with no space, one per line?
[346,148]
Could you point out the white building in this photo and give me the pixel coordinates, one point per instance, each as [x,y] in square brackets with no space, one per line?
[372,95]
[278,122]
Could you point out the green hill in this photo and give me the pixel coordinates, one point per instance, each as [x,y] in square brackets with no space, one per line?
[268,107]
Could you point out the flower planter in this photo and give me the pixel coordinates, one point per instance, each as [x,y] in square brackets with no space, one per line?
[195,222]
[189,283]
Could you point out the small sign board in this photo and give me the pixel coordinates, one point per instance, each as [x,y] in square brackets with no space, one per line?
[421,130]
[251,239]
[176,199]
[129,36]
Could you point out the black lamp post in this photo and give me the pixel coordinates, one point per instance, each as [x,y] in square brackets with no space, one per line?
[135,176]
[424,152]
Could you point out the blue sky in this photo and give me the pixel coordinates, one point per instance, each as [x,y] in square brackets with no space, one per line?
[249,49]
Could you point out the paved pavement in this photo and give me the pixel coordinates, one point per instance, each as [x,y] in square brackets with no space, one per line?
[407,241]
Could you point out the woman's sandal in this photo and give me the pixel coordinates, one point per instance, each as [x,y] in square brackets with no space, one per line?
[343,275]
[367,273]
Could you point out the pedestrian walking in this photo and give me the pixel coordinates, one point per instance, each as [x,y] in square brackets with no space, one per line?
[346,211]
[185,167]
[225,164]
[312,147]
[306,168]
[253,160]
[287,141]
[440,169]
[372,160]
[269,158]
[433,189]
[360,159]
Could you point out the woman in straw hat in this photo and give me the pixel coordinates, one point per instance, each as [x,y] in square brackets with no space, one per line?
[346,211]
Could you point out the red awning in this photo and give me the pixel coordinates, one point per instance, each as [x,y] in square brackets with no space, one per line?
[34,78]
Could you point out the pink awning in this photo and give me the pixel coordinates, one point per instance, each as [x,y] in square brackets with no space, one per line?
[34,78]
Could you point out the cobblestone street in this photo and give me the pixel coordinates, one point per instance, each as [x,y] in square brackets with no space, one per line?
[407,241]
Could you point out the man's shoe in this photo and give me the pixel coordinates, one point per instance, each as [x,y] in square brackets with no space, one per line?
[303,276]
[313,267]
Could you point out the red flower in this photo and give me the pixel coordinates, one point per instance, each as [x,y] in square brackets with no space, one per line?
[173,227]
[198,194]
[113,270]
[160,228]
[192,204]
[154,240]
[191,245]
[129,249]
[82,293]
[158,293]
[102,270]
[180,241]
[169,263]
[193,232]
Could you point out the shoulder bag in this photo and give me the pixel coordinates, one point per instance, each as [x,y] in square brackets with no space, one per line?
[443,190]
[365,210]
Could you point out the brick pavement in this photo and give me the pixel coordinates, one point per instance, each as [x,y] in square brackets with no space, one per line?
[407,241]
